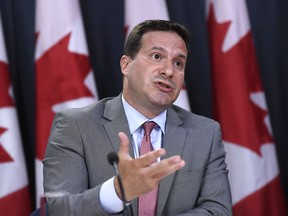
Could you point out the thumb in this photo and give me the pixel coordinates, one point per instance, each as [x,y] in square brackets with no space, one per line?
[124,144]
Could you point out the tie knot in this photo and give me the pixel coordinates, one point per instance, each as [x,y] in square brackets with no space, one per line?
[148,127]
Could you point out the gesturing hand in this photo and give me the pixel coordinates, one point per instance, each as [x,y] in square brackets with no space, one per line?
[139,176]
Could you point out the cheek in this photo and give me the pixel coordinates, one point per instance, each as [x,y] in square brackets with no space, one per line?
[142,77]
[137,80]
[179,80]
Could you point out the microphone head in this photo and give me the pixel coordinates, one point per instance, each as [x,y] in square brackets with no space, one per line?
[112,158]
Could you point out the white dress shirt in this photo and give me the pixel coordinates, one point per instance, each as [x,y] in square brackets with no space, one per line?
[109,199]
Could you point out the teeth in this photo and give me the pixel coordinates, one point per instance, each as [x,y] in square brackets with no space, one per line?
[163,85]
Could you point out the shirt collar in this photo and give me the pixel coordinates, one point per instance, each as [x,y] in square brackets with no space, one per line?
[136,119]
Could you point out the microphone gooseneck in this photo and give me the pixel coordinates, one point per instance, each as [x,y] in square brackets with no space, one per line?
[113,160]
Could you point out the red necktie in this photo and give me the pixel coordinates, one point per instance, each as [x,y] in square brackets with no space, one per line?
[147,202]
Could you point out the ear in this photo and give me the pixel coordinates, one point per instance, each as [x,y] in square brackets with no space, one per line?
[124,63]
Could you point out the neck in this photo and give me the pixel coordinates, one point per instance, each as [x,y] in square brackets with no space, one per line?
[149,112]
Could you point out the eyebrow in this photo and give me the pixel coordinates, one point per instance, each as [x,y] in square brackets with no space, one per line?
[163,50]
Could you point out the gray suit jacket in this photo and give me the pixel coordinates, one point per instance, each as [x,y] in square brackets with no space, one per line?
[76,161]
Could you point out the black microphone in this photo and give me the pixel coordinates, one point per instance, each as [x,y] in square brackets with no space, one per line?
[113,159]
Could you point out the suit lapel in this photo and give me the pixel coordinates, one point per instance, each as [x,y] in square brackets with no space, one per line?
[173,143]
[114,112]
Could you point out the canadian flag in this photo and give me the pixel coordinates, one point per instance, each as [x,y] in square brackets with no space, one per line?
[240,107]
[64,77]
[137,11]
[14,188]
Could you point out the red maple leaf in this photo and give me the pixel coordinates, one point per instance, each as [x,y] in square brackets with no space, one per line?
[5,99]
[235,76]
[60,77]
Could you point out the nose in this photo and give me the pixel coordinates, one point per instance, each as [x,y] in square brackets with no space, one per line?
[167,70]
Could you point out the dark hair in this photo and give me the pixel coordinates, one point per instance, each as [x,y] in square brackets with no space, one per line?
[133,42]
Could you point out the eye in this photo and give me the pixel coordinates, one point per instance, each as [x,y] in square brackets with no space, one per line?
[179,64]
[156,56]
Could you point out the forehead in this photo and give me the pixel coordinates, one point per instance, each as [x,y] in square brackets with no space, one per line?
[163,38]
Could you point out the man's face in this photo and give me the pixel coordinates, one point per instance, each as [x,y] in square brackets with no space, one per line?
[154,78]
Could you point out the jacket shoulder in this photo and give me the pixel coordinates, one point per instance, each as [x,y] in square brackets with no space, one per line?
[190,118]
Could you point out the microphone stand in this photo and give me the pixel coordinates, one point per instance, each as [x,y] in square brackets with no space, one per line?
[113,159]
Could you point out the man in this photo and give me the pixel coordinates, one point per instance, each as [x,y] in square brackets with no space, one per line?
[187,166]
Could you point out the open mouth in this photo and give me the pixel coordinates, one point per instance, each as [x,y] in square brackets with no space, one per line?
[164,86]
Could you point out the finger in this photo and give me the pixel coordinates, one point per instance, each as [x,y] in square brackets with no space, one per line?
[124,144]
[166,167]
[151,157]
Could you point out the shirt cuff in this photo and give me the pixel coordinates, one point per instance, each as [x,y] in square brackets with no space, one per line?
[109,199]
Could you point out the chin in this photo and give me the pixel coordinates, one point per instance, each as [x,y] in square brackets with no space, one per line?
[162,103]
[162,100]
